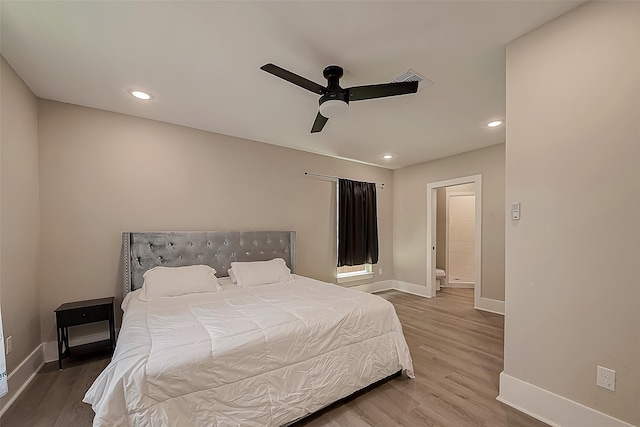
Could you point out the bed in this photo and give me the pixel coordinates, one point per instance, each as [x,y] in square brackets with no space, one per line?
[260,352]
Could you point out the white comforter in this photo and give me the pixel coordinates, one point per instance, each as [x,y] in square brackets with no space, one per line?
[259,356]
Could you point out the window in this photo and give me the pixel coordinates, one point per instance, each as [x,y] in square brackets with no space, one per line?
[357,231]
[351,273]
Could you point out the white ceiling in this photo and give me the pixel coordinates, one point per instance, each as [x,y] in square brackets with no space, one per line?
[201,62]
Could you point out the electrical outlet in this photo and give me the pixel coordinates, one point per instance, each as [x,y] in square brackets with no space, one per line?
[380,270]
[9,344]
[606,378]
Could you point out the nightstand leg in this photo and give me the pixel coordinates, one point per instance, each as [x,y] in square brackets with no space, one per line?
[65,337]
[59,349]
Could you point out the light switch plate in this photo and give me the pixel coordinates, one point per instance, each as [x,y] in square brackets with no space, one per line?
[515,211]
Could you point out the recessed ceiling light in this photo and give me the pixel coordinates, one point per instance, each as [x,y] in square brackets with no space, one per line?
[387,156]
[140,95]
[494,124]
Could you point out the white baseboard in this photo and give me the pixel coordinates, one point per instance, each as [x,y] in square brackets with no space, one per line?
[385,285]
[397,285]
[21,377]
[490,305]
[50,348]
[460,285]
[555,410]
[410,288]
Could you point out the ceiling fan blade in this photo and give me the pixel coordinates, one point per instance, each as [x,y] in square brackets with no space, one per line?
[319,123]
[358,93]
[293,78]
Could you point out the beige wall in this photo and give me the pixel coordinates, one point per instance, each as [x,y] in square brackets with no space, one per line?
[103,173]
[19,217]
[410,215]
[573,150]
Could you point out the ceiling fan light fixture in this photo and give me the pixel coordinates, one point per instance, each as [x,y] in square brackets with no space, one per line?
[333,108]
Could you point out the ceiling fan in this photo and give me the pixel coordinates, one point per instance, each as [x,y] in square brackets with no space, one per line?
[335,100]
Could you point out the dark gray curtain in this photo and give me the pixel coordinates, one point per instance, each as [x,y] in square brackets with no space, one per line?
[357,223]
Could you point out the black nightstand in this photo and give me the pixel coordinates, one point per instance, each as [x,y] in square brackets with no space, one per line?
[80,313]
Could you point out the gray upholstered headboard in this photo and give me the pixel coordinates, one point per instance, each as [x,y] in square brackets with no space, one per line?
[217,249]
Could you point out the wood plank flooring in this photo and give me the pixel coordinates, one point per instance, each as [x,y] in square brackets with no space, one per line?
[457,356]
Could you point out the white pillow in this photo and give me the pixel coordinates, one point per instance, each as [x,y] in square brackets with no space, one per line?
[173,281]
[261,272]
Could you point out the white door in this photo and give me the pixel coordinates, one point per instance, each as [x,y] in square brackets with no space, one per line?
[461,260]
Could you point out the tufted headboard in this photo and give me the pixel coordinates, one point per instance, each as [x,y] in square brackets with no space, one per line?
[217,249]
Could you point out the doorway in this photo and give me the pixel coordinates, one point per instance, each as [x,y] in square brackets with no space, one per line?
[474,266]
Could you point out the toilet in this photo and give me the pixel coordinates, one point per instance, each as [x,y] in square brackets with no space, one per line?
[440,275]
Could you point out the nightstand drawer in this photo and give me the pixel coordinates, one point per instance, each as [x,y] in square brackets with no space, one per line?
[80,316]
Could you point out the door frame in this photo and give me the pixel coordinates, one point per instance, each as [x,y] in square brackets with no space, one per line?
[432,197]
